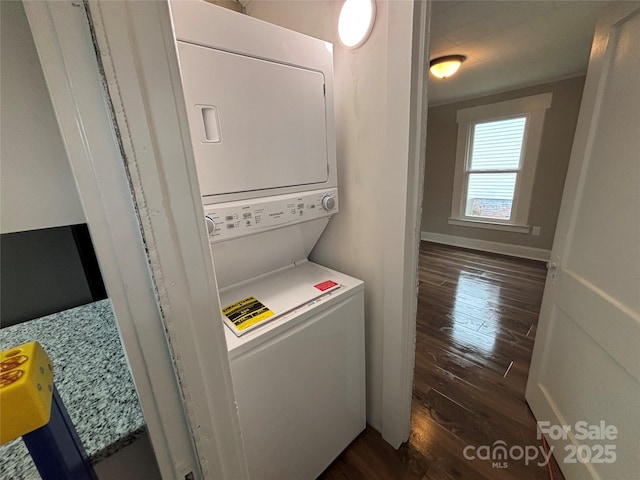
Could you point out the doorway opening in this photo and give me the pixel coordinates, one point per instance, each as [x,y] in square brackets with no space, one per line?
[476,323]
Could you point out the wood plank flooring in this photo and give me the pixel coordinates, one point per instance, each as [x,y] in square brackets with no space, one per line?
[476,323]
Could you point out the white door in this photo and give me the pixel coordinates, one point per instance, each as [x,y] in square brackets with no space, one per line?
[585,372]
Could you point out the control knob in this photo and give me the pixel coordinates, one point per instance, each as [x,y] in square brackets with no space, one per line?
[211,225]
[328,202]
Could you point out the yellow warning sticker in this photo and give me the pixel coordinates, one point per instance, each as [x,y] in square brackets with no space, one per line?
[247,312]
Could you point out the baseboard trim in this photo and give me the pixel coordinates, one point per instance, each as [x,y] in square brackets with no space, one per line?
[488,246]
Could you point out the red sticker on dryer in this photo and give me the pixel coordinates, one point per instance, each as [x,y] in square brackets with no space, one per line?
[323,286]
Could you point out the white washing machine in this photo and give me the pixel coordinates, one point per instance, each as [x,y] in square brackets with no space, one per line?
[260,111]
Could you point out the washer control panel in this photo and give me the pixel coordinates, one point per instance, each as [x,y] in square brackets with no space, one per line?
[235,219]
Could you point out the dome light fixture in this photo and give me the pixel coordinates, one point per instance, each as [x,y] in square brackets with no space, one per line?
[444,67]
[356,22]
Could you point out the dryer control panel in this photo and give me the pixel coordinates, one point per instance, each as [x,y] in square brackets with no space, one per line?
[236,219]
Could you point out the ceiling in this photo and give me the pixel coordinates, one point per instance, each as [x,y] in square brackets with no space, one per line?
[509,44]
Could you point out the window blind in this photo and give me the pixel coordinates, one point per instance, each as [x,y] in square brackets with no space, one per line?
[497,145]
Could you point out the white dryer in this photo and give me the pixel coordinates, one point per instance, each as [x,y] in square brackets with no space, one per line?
[260,110]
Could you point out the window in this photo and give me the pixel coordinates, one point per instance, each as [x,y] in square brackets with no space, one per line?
[496,159]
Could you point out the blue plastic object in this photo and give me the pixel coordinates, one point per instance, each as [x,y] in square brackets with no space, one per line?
[56,448]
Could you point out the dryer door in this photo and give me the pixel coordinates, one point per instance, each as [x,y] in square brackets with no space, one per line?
[255,124]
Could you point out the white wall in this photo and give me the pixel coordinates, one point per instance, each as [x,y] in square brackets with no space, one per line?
[36,183]
[372,101]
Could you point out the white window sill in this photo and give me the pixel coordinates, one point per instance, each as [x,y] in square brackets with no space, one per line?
[507,227]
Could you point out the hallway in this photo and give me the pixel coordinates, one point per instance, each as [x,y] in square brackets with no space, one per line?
[476,322]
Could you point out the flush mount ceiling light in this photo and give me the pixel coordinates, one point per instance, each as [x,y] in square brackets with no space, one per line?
[356,22]
[444,67]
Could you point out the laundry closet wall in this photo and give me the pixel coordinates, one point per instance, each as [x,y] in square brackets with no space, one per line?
[41,265]
[367,238]
[37,186]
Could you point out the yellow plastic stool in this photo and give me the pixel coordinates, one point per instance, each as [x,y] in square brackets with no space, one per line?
[26,388]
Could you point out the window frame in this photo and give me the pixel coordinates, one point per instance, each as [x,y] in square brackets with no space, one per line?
[533,108]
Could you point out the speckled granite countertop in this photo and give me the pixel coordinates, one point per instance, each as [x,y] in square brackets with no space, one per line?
[92,376]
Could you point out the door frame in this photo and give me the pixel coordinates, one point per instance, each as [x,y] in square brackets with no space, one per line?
[400,330]
[145,216]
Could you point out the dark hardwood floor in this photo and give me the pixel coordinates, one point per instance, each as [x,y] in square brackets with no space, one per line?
[476,322]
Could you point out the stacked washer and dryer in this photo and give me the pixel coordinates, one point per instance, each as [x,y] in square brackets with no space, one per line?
[260,110]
